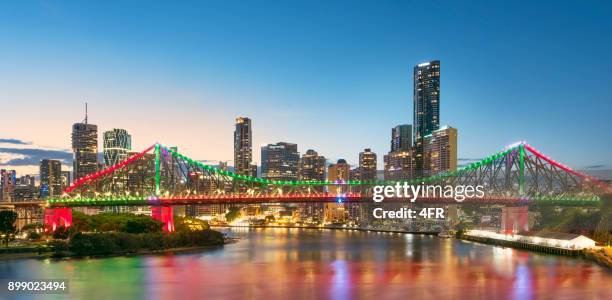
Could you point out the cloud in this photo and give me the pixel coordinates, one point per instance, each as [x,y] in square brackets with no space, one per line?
[29,157]
[14,141]
[468,159]
[592,167]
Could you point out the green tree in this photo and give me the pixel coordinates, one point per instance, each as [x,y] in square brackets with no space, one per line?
[7,225]
[142,225]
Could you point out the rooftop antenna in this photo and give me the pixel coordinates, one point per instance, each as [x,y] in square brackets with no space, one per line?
[85,112]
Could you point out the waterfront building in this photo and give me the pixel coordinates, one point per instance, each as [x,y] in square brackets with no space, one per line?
[50,177]
[401,137]
[85,148]
[440,151]
[116,145]
[367,165]
[243,143]
[426,105]
[338,172]
[399,165]
[280,161]
[311,166]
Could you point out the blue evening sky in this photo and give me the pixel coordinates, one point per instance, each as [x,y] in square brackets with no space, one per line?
[333,76]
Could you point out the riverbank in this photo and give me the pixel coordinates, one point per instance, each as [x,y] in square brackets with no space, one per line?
[598,256]
[326,227]
[601,256]
[118,244]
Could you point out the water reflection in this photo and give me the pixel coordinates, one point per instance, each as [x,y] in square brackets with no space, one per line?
[297,263]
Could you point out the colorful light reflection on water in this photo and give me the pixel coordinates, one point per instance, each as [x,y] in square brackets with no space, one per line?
[327,264]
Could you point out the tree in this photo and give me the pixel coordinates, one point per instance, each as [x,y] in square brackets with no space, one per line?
[190,224]
[142,225]
[7,225]
[233,214]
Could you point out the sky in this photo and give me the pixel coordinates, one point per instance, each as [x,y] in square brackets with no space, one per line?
[334,76]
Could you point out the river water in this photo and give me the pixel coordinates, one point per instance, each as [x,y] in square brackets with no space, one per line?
[326,264]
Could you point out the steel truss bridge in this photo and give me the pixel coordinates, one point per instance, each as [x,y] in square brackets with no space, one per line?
[160,175]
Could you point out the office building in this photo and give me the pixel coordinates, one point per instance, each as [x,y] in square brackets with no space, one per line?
[243,143]
[116,145]
[50,177]
[85,148]
[8,181]
[280,161]
[401,137]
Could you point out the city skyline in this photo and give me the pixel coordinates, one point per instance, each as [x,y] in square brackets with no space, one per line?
[200,102]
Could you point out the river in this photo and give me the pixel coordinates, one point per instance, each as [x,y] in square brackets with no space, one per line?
[330,264]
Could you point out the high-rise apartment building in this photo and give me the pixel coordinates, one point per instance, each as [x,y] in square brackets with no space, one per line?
[399,165]
[401,137]
[116,145]
[367,165]
[280,161]
[426,115]
[50,177]
[311,166]
[337,212]
[440,148]
[85,148]
[243,146]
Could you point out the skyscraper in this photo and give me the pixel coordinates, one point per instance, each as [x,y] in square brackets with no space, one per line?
[243,143]
[440,148]
[367,165]
[116,145]
[85,148]
[50,177]
[280,161]
[401,137]
[426,115]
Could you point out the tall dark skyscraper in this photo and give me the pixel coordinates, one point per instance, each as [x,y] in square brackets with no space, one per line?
[51,177]
[426,107]
[401,138]
[85,148]
[243,146]
[280,161]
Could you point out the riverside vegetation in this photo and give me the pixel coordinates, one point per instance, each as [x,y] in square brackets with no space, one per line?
[122,233]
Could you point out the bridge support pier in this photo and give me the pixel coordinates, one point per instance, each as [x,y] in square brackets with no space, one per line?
[165,215]
[57,217]
[515,219]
